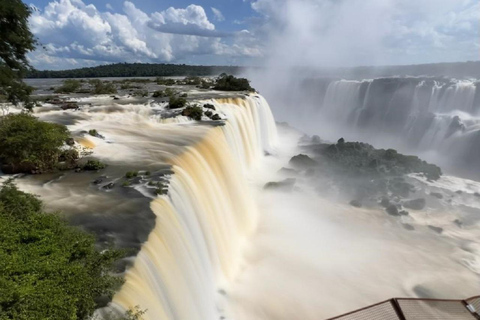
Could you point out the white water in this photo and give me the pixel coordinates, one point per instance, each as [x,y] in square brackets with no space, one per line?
[196,245]
[438,119]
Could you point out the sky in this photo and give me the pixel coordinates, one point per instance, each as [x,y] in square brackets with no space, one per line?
[79,33]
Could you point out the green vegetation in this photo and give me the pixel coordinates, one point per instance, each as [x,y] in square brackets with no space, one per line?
[147,173]
[102,87]
[194,112]
[69,86]
[131,174]
[165,82]
[28,144]
[16,41]
[176,102]
[362,158]
[49,270]
[140,93]
[93,165]
[135,70]
[230,83]
[93,132]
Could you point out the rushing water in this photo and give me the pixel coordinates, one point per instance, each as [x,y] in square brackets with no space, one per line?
[220,246]
[436,118]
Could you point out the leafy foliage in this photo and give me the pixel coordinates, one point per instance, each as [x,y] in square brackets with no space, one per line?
[28,144]
[194,112]
[176,102]
[94,165]
[102,87]
[48,270]
[69,86]
[16,41]
[230,83]
[361,158]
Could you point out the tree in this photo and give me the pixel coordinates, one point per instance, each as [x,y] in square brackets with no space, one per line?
[49,270]
[28,144]
[16,41]
[230,83]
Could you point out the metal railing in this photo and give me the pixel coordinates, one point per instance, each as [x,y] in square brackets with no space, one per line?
[417,309]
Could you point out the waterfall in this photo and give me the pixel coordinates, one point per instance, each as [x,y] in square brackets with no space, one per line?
[426,116]
[196,244]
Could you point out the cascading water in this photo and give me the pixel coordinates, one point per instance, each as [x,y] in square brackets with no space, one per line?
[436,118]
[196,244]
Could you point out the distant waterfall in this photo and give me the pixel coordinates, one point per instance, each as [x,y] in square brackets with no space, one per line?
[201,225]
[419,115]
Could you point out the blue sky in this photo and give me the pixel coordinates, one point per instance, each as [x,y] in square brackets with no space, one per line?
[79,33]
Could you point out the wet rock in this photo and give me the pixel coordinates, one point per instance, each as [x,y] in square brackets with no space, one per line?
[69,106]
[284,185]
[403,213]
[392,210]
[209,106]
[98,180]
[208,113]
[458,223]
[70,141]
[302,161]
[436,195]
[356,203]
[436,229]
[408,227]
[216,117]
[415,204]
[459,192]
[385,202]
[109,186]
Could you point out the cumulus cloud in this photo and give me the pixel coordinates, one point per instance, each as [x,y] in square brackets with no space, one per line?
[70,29]
[218,14]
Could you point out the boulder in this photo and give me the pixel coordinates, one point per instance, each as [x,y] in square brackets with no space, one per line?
[216,117]
[436,229]
[408,227]
[392,210]
[437,195]
[70,141]
[415,204]
[69,106]
[284,185]
[209,106]
[302,161]
[356,203]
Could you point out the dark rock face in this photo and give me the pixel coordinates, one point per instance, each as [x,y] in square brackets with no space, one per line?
[284,185]
[302,161]
[436,195]
[392,210]
[416,204]
[70,141]
[408,227]
[458,223]
[356,203]
[436,229]
[209,106]
[69,106]
[109,186]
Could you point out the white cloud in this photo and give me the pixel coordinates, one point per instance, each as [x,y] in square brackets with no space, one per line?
[109,6]
[366,32]
[73,31]
[218,14]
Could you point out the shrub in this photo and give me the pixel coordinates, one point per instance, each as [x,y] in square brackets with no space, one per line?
[165,82]
[28,144]
[93,132]
[69,86]
[230,83]
[194,112]
[141,93]
[158,94]
[48,270]
[102,87]
[176,102]
[94,165]
[131,174]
